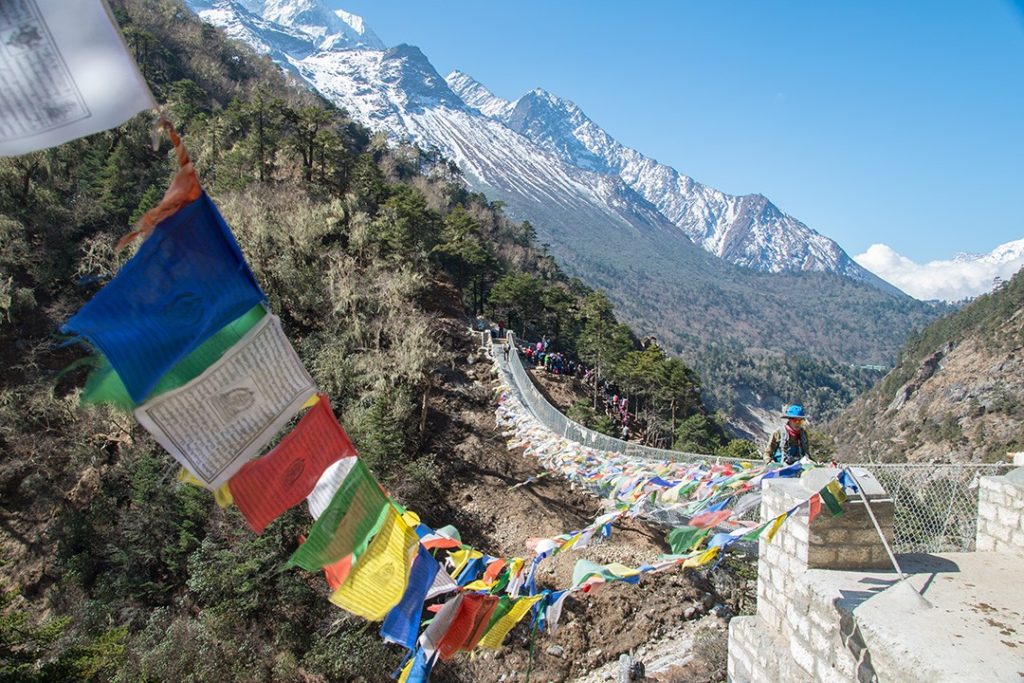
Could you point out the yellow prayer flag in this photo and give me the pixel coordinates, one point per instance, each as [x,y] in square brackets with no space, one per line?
[770,534]
[495,636]
[702,559]
[461,558]
[379,579]
[569,544]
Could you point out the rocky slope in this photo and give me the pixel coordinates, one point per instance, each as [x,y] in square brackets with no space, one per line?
[957,394]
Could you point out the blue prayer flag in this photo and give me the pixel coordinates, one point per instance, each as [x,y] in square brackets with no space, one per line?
[402,623]
[188,280]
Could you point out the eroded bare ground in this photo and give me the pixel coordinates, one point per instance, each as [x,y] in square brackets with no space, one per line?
[674,622]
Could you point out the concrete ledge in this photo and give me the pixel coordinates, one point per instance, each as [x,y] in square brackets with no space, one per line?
[974,629]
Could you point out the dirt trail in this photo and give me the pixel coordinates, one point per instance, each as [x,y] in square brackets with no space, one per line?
[660,619]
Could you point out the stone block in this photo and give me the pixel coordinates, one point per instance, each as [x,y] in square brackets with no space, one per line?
[802,656]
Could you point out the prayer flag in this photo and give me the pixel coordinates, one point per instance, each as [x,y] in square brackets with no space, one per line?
[379,578]
[833,496]
[105,386]
[498,630]
[328,484]
[813,507]
[214,424]
[702,559]
[67,73]
[585,570]
[417,669]
[337,572]
[468,625]
[356,512]
[402,623]
[683,539]
[776,523]
[707,520]
[187,281]
[440,624]
[553,611]
[265,488]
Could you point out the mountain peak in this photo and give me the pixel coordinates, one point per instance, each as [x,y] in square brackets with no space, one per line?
[476,95]
[329,30]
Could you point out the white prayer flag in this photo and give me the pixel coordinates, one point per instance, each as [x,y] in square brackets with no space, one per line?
[220,420]
[65,72]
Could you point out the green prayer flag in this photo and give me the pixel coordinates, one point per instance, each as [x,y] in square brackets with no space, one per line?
[354,515]
[104,385]
[685,538]
[504,606]
[833,500]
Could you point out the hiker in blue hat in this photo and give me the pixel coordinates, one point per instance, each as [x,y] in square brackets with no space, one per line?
[789,444]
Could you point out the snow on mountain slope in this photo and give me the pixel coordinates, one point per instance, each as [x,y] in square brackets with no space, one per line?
[537,153]
[746,230]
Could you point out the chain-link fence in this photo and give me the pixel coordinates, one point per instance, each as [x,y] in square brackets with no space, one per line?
[936,506]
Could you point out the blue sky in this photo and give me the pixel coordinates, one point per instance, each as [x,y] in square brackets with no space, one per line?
[873,122]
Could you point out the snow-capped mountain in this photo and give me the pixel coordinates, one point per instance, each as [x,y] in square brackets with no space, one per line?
[537,149]
[746,230]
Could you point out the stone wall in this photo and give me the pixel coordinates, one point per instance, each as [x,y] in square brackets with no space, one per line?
[1001,512]
[802,631]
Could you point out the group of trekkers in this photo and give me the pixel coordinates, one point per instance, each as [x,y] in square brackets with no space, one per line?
[616,406]
[787,445]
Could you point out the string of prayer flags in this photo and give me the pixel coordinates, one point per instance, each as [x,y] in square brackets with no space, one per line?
[402,623]
[379,578]
[104,385]
[264,488]
[67,74]
[187,281]
[345,526]
[217,422]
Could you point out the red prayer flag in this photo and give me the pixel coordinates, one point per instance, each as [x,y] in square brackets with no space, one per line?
[337,573]
[814,509]
[469,624]
[266,487]
[706,520]
[493,569]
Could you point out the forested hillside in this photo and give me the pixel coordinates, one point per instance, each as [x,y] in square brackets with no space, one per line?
[375,258]
[956,395]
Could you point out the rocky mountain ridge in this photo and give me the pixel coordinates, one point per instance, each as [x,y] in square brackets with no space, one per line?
[745,230]
[956,396]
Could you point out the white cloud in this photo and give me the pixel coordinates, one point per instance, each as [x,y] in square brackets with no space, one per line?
[948,280]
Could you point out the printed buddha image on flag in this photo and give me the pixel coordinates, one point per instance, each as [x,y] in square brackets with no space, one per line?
[217,422]
[187,281]
[66,71]
[379,578]
[266,487]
